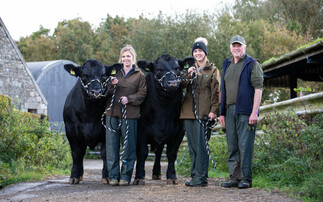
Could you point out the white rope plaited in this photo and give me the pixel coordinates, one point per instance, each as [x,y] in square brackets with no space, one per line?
[205,125]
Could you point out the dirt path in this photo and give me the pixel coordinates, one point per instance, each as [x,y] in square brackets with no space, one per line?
[58,189]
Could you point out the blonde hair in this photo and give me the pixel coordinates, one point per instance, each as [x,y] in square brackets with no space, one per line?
[132,52]
[201,39]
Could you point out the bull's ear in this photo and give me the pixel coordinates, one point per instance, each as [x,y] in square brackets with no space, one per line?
[186,63]
[113,69]
[143,64]
[72,70]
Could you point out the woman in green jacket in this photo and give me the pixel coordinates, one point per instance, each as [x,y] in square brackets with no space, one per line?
[131,92]
[206,88]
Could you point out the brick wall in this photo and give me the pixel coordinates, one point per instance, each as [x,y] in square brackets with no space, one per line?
[15,79]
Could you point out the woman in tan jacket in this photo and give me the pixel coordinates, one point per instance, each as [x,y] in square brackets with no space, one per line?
[206,88]
[131,91]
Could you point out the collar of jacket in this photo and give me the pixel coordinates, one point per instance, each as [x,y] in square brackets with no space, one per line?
[242,58]
[133,69]
[207,66]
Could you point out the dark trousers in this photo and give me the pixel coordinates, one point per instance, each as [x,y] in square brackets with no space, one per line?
[196,143]
[240,140]
[113,148]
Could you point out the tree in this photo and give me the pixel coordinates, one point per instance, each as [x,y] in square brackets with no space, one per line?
[75,40]
[172,35]
[305,17]
[278,40]
[39,46]
[112,35]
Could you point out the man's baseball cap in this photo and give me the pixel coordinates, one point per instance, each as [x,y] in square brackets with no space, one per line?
[238,39]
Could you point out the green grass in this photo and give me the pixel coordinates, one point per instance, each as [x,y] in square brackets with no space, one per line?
[28,176]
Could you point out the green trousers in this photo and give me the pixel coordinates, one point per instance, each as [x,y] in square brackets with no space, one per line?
[113,148]
[240,140]
[196,143]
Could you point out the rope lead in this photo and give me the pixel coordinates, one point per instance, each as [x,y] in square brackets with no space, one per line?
[205,125]
[123,117]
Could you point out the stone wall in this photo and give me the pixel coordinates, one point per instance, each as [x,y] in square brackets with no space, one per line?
[16,80]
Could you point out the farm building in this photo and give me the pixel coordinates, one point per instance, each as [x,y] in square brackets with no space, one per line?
[16,81]
[55,83]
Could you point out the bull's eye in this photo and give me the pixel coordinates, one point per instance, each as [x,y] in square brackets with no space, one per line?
[159,70]
[85,76]
[176,68]
[103,78]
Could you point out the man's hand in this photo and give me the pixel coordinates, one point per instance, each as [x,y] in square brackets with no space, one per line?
[253,118]
[222,121]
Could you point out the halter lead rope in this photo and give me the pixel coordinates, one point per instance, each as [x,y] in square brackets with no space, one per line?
[103,85]
[123,116]
[160,81]
[205,125]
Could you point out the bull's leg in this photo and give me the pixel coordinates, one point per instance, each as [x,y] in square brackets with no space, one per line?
[105,174]
[157,169]
[81,166]
[77,164]
[172,149]
[142,153]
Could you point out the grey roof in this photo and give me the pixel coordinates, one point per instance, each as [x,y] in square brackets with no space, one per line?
[55,83]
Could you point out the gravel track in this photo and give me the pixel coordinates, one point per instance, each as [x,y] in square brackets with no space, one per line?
[57,189]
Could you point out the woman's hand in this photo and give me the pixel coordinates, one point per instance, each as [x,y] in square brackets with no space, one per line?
[114,80]
[191,70]
[212,116]
[124,100]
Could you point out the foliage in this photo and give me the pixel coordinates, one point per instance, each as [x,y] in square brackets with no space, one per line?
[39,46]
[279,41]
[290,152]
[300,16]
[27,145]
[219,151]
[112,35]
[75,40]
[268,29]
[308,89]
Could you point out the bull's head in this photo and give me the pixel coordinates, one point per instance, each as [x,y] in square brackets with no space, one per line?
[94,76]
[167,70]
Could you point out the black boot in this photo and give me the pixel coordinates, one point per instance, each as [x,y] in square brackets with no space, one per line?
[244,184]
[230,183]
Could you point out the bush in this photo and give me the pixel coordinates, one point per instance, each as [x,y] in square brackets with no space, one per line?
[27,144]
[290,152]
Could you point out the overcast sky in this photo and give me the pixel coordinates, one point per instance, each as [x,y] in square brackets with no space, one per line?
[23,17]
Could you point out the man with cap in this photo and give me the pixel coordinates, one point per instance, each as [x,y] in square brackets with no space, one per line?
[241,91]
[206,88]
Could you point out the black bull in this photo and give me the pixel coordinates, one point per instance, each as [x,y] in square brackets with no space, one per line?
[82,113]
[159,123]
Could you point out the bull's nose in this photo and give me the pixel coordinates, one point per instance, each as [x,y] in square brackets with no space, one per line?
[172,83]
[96,93]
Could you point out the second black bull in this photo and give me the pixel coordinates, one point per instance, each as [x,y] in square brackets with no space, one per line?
[159,123]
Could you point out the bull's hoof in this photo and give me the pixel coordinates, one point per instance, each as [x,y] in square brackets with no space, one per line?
[172,181]
[81,178]
[104,181]
[139,182]
[74,180]
[156,177]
